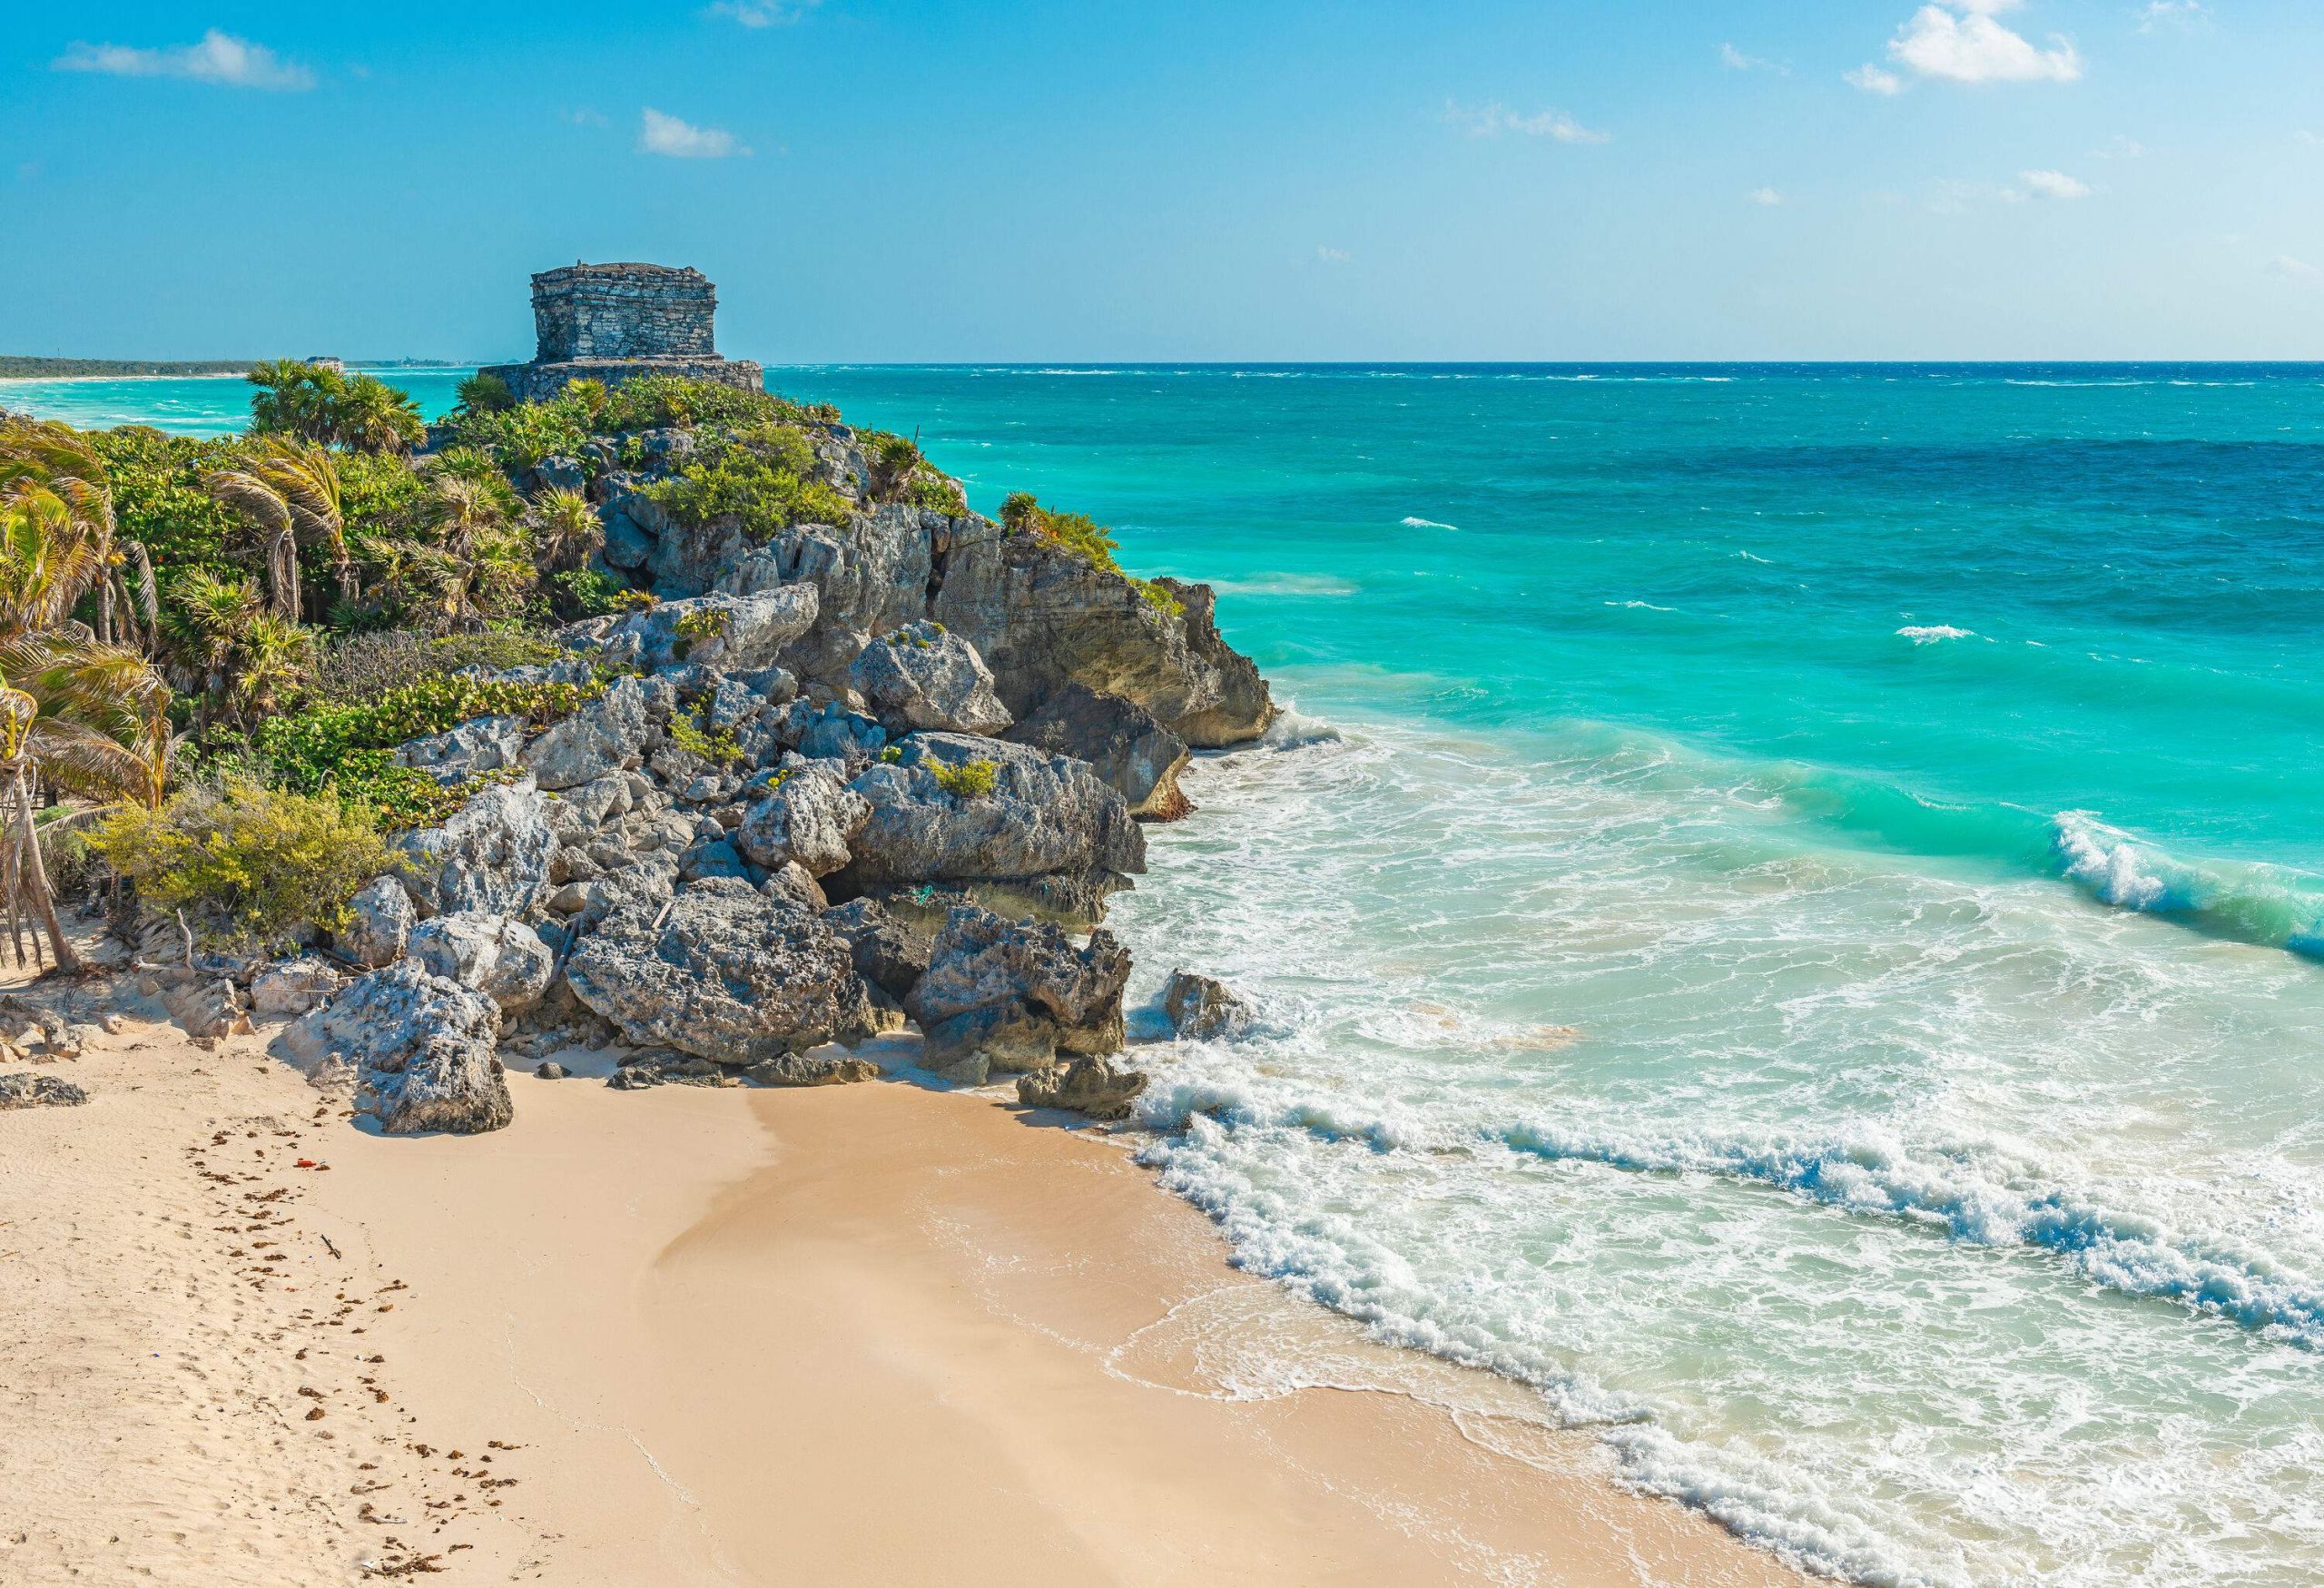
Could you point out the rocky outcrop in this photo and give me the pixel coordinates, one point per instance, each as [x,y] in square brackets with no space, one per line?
[1048,833]
[380,919]
[492,854]
[1044,617]
[1202,1009]
[889,953]
[1122,742]
[295,986]
[1016,994]
[504,959]
[485,744]
[1084,1086]
[736,634]
[422,1050]
[602,737]
[808,816]
[27,1091]
[723,972]
[923,675]
[871,576]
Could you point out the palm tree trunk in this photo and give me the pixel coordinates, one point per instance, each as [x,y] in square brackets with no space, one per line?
[284,573]
[35,876]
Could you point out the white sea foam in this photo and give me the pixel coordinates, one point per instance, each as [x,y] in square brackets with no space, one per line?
[1930,633]
[1918,1226]
[1425,524]
[1641,607]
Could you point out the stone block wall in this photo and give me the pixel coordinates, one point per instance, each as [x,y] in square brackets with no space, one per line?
[585,311]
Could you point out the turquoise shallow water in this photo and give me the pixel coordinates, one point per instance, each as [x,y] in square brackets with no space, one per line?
[1787,917]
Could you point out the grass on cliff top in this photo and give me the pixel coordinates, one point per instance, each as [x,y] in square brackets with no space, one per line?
[1087,538]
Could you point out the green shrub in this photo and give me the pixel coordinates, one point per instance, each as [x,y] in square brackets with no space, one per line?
[761,478]
[1158,596]
[891,754]
[518,437]
[970,780]
[594,593]
[484,392]
[159,500]
[653,402]
[932,491]
[256,863]
[719,747]
[360,669]
[324,747]
[1087,538]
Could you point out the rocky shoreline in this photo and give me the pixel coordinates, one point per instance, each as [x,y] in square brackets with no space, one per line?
[819,786]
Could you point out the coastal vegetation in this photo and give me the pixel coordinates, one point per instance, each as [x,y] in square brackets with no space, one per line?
[218,651]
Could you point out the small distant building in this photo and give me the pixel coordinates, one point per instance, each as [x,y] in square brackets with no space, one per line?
[325,361]
[611,321]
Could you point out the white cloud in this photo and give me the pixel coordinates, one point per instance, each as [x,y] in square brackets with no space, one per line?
[1491,120]
[1873,80]
[582,116]
[2296,270]
[2172,14]
[1735,59]
[762,13]
[2052,184]
[1332,255]
[1765,195]
[666,134]
[2122,148]
[1960,42]
[219,58]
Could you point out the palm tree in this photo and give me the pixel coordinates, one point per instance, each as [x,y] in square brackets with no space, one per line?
[76,714]
[242,659]
[295,397]
[565,528]
[464,511]
[376,417]
[51,469]
[288,493]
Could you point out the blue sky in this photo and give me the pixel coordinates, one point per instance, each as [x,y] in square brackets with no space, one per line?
[908,180]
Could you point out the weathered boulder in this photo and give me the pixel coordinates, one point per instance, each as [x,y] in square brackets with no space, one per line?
[812,1069]
[601,739]
[870,575]
[485,744]
[723,972]
[1085,1086]
[1043,616]
[422,1049]
[1018,993]
[1047,834]
[380,918]
[27,1091]
[737,634]
[887,953]
[794,883]
[207,1007]
[1124,744]
[504,959]
[923,675]
[295,986]
[809,815]
[1202,1009]
[493,853]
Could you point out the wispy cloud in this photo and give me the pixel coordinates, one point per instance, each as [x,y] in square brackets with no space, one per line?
[1765,195]
[2119,148]
[1491,120]
[666,134]
[582,116]
[2162,13]
[1332,255]
[1959,40]
[2298,271]
[219,58]
[762,13]
[2051,184]
[1735,59]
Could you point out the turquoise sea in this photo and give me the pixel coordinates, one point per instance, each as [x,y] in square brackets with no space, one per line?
[1788,913]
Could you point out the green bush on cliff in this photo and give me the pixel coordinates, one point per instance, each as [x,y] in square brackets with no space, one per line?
[1021,513]
[761,477]
[519,437]
[255,863]
[653,402]
[484,392]
[970,780]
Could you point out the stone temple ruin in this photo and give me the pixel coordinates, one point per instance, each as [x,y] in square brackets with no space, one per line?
[610,321]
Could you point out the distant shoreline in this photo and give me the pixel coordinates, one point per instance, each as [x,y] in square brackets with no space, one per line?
[17,371]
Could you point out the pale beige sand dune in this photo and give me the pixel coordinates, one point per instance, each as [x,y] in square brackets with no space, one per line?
[861,1335]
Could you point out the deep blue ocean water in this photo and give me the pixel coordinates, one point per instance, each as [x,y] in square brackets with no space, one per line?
[1788,914]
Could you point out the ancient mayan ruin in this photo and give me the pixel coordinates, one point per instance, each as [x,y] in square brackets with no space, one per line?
[611,321]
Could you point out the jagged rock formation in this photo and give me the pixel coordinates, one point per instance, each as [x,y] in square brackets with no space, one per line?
[833,778]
